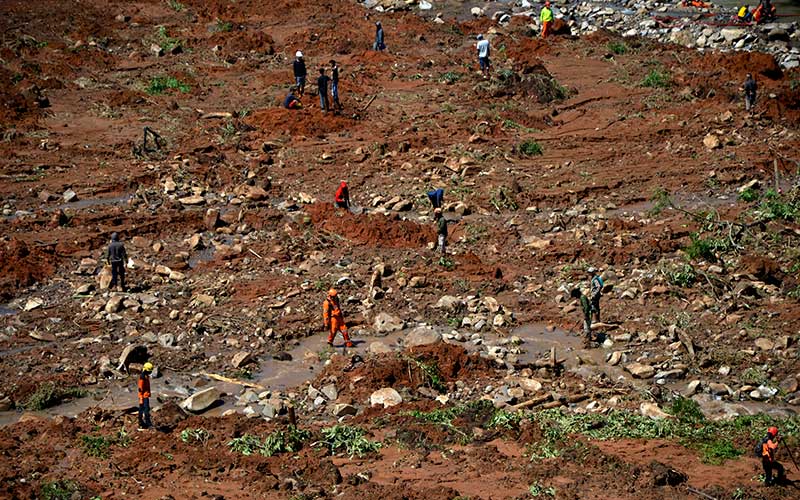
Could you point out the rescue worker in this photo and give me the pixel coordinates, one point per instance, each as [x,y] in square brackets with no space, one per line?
[546,18]
[322,87]
[436,197]
[333,318]
[144,396]
[378,45]
[750,88]
[596,287]
[342,196]
[117,258]
[769,448]
[744,15]
[335,85]
[483,55]
[441,230]
[300,73]
[587,312]
[291,101]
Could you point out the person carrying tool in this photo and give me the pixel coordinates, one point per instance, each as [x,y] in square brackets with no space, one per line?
[596,287]
[483,55]
[750,88]
[379,45]
[300,73]
[342,196]
[546,18]
[333,318]
[144,396]
[291,101]
[117,258]
[769,448]
[322,87]
[587,312]
[335,85]
[441,230]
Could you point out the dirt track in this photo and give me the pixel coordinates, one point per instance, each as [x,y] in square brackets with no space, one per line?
[252,183]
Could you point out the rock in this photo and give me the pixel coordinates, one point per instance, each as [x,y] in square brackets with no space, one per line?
[104,278]
[651,410]
[422,336]
[132,354]
[789,385]
[114,304]
[211,219]
[614,358]
[476,11]
[530,385]
[417,282]
[33,303]
[330,392]
[70,196]
[638,370]
[254,193]
[156,49]
[449,303]
[386,323]
[176,276]
[282,356]
[732,34]
[201,400]
[718,389]
[691,388]
[423,5]
[711,141]
[192,200]
[84,289]
[195,242]
[343,409]
[169,185]
[402,206]
[764,344]
[241,358]
[379,348]
[269,410]
[163,270]
[166,340]
[669,374]
[386,397]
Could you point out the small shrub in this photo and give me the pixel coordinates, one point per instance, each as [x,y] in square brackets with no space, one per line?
[280,441]
[430,373]
[175,5]
[159,84]
[531,148]
[683,276]
[166,42]
[505,420]
[58,490]
[195,436]
[748,195]
[719,451]
[702,248]
[687,411]
[450,77]
[537,490]
[48,395]
[223,26]
[774,206]
[618,47]
[96,446]
[349,438]
[246,445]
[656,78]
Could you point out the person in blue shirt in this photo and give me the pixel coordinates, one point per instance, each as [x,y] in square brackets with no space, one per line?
[291,101]
[379,45]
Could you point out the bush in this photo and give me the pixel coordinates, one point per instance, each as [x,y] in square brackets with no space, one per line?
[774,206]
[683,276]
[530,148]
[159,84]
[618,47]
[58,490]
[656,78]
[349,438]
[748,195]
[279,441]
[224,26]
[705,248]
[48,395]
[450,77]
[195,436]
[96,446]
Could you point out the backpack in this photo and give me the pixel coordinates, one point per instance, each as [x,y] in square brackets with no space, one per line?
[758,451]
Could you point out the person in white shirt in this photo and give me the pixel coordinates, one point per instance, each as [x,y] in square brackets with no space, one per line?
[483,55]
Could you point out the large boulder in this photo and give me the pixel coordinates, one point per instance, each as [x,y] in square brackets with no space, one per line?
[422,336]
[201,400]
[639,370]
[386,323]
[386,397]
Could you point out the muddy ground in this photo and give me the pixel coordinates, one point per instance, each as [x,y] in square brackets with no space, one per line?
[625,155]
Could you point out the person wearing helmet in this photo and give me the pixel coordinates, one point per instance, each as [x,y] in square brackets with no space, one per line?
[117,258]
[342,196]
[546,18]
[769,447]
[596,287]
[300,72]
[333,318]
[144,396]
[483,55]
[378,45]
[587,312]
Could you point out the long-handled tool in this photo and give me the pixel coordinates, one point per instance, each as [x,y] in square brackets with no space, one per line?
[791,455]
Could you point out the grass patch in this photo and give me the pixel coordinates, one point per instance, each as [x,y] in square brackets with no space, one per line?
[159,84]
[617,47]
[58,490]
[223,26]
[775,206]
[166,42]
[450,77]
[656,78]
[49,394]
[683,276]
[350,439]
[531,148]
[512,125]
[748,195]
[96,446]
[175,5]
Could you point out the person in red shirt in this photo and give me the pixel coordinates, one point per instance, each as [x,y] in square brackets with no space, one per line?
[144,396]
[342,197]
[769,448]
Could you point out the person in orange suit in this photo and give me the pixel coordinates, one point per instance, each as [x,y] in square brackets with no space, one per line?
[333,318]
[769,447]
[144,396]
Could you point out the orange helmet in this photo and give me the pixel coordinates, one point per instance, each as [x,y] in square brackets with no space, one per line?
[772,431]
[332,292]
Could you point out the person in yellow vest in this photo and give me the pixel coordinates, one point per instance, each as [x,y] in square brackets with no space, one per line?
[546,17]
[744,15]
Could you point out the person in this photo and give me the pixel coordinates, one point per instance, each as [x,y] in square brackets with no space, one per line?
[546,18]
[587,312]
[144,396]
[335,85]
[117,258]
[759,13]
[436,198]
[291,101]
[483,55]
[300,73]
[596,287]
[744,15]
[342,197]
[441,230]
[322,87]
[750,88]
[333,318]
[769,447]
[378,45]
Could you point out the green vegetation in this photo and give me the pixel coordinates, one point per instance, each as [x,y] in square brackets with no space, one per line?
[195,436]
[166,42]
[656,78]
[480,413]
[618,47]
[511,124]
[450,77]
[683,276]
[776,206]
[223,26]
[531,148]
[748,195]
[58,490]
[175,5]
[48,394]
[502,419]
[280,441]
[349,438]
[705,248]
[96,446]
[430,373]
[502,198]
[159,84]
[537,490]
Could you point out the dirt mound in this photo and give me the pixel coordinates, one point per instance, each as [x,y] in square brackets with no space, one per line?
[244,41]
[738,64]
[375,230]
[22,266]
[307,122]
[528,51]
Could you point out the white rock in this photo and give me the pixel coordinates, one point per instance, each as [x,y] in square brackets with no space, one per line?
[651,410]
[386,397]
[422,336]
[201,400]
[386,323]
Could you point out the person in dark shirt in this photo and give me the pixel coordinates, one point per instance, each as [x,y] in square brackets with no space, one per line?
[587,312]
[300,72]
[750,88]
[117,258]
[322,87]
[291,101]
[378,45]
[335,85]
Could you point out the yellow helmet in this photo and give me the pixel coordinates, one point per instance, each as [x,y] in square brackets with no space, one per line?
[148,367]
[332,292]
